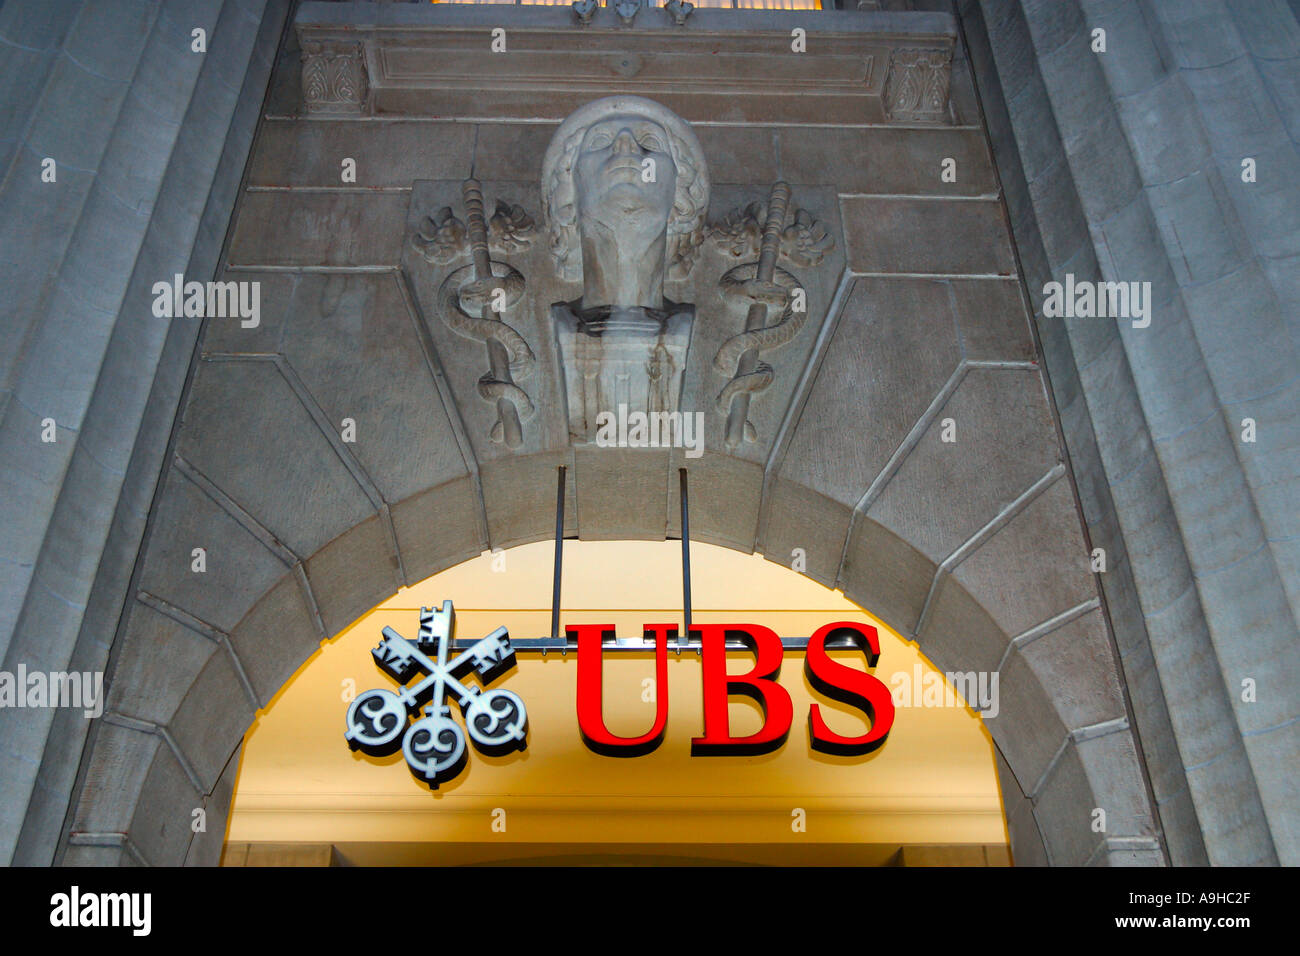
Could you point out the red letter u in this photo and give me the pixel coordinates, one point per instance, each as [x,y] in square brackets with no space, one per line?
[591,715]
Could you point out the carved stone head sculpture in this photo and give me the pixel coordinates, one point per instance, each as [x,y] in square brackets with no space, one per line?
[625,188]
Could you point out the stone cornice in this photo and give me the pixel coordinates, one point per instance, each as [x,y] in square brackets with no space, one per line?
[416,60]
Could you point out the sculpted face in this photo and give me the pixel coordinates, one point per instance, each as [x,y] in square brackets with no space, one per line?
[625,175]
[625,186]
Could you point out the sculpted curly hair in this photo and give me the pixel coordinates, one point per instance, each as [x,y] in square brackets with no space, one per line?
[690,202]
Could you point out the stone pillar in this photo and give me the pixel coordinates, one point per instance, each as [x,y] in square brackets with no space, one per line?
[1127,165]
[148,136]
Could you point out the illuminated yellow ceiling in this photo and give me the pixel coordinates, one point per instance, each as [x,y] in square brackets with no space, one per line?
[932,783]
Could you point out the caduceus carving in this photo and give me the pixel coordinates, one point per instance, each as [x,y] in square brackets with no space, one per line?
[763,287]
[473,301]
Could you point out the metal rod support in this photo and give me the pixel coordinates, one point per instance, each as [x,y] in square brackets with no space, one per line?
[638,645]
[684,637]
[559,559]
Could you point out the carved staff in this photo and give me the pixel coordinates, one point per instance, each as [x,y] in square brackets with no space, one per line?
[763,292]
[485,286]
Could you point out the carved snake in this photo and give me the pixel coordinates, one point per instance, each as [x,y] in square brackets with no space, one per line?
[735,285]
[460,287]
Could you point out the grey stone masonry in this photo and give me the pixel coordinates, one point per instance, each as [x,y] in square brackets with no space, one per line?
[1155,142]
[935,440]
[147,138]
[907,443]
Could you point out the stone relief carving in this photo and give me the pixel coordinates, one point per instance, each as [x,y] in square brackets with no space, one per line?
[679,11]
[442,238]
[769,231]
[625,189]
[804,239]
[916,87]
[474,299]
[333,76]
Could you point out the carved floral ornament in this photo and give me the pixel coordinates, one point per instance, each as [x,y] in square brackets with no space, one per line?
[334,78]
[916,87]
[625,193]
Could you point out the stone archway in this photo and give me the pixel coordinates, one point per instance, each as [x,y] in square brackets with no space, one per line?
[907,446]
[194,668]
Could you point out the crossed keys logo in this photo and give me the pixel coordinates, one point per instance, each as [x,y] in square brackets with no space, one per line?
[434,744]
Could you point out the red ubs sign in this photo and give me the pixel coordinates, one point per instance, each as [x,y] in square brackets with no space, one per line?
[831,678]
[430,672]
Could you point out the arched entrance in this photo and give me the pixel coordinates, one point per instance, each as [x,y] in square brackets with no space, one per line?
[342,445]
[931,794]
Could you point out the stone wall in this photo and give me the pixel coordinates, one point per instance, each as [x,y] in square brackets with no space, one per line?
[1127,164]
[918,324]
[148,139]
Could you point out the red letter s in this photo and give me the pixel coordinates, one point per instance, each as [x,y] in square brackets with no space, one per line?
[850,686]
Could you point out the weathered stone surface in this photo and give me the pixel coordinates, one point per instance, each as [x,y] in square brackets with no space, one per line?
[332,229]
[886,573]
[1027,728]
[160,827]
[387,155]
[723,493]
[158,169]
[1274,752]
[1035,567]
[959,634]
[1235,829]
[893,349]
[746,155]
[1077,670]
[511,152]
[611,479]
[992,321]
[519,497]
[160,660]
[249,434]
[276,636]
[97,856]
[359,357]
[886,161]
[116,772]
[796,517]
[1063,809]
[348,573]
[928,236]
[439,527]
[203,732]
[946,491]
[237,567]
[205,847]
